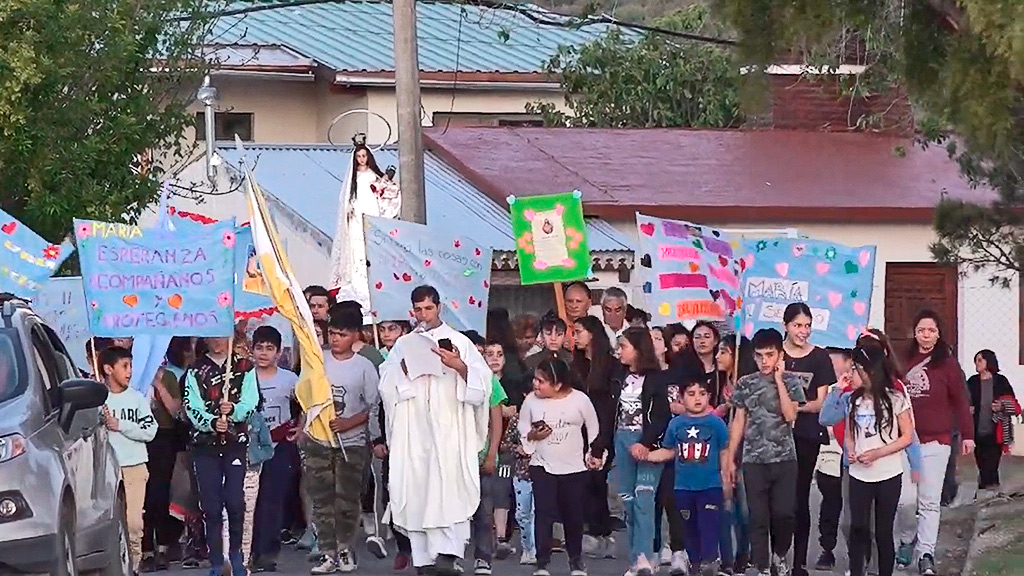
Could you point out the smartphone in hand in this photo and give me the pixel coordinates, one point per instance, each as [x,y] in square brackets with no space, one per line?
[446,344]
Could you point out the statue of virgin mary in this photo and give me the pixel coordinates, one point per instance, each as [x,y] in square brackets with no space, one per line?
[366,192]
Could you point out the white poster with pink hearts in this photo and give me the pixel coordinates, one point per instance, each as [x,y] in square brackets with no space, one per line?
[835,281]
[403,255]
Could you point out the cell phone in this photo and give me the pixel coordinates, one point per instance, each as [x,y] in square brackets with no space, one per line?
[539,424]
[446,344]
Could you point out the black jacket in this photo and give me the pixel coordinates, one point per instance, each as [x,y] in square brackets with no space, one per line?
[1000,387]
[598,387]
[653,401]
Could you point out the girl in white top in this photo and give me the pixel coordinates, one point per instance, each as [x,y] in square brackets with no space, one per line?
[880,427]
[552,423]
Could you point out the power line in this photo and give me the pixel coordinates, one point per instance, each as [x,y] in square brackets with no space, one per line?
[543,18]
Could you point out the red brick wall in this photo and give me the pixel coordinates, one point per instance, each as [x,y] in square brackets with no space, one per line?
[815,103]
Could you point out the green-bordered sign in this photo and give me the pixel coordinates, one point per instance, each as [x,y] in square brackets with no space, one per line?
[551,238]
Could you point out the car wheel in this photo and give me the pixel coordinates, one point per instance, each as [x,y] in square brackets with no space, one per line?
[64,555]
[119,560]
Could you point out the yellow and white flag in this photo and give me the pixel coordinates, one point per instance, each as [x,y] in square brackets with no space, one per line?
[313,391]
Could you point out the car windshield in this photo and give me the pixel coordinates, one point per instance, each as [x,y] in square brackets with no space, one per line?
[11,384]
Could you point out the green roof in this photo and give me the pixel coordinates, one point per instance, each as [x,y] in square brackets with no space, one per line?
[359,36]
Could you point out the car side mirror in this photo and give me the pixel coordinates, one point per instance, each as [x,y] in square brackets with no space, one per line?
[79,394]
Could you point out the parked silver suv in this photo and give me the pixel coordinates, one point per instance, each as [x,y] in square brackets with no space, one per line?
[62,507]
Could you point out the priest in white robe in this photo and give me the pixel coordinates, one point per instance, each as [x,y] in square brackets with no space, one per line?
[436,427]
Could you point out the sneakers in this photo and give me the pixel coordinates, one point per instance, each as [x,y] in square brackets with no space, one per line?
[709,568]
[347,561]
[826,562]
[680,564]
[592,545]
[402,562]
[577,569]
[666,556]
[326,565]
[262,565]
[527,558]
[541,571]
[190,563]
[905,555]
[608,548]
[643,567]
[503,550]
[926,565]
[780,566]
[481,567]
[765,573]
[375,546]
[557,546]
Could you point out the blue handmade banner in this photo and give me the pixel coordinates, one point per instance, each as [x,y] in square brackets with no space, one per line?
[688,271]
[26,259]
[61,303]
[834,280]
[157,281]
[403,255]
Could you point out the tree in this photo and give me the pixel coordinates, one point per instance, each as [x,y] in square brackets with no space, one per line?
[628,80]
[93,104]
[962,64]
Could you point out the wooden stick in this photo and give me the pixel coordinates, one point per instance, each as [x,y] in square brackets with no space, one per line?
[226,387]
[570,334]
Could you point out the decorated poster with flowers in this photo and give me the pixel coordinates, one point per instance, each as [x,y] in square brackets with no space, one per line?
[834,280]
[26,259]
[688,271]
[551,240]
[403,255]
[157,281]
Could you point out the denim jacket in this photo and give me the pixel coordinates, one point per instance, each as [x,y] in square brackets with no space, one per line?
[261,448]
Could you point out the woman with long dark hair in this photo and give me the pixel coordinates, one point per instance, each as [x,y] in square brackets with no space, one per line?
[992,402]
[879,428]
[736,516]
[558,426]
[640,393]
[935,384]
[813,366]
[594,362]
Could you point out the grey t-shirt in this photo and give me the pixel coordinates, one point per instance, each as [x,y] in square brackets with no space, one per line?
[354,386]
[767,438]
[986,427]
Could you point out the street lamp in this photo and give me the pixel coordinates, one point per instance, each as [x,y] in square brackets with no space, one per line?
[207,94]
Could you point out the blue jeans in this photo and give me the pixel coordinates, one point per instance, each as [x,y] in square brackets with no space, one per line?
[735,520]
[277,476]
[524,514]
[637,483]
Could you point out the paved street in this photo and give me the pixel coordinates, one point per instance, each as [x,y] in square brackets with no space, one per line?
[294,563]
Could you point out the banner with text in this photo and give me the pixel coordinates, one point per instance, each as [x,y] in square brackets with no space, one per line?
[61,303]
[26,259]
[835,281]
[404,255]
[688,271]
[252,298]
[157,281]
[551,238]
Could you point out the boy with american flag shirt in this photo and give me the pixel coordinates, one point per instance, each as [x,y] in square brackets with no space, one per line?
[697,440]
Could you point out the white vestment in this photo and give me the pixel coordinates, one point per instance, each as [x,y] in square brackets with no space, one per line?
[436,428]
[375,196]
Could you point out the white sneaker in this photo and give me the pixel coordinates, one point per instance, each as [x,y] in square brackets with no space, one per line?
[528,558]
[608,548]
[592,545]
[680,564]
[781,568]
[666,555]
[481,568]
[326,565]
[346,561]
[375,544]
[643,567]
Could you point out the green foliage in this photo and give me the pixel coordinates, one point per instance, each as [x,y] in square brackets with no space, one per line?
[88,91]
[642,81]
[962,64]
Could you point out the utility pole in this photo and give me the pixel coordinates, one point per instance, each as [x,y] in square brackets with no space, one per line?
[410,131]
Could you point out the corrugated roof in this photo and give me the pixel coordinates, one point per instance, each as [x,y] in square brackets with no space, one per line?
[308,179]
[359,36]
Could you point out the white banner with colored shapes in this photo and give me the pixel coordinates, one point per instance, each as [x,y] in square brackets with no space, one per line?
[403,255]
[835,281]
[688,271]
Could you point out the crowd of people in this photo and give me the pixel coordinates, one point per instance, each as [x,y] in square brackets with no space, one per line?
[563,429]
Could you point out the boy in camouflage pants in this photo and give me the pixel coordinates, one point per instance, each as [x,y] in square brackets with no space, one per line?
[335,475]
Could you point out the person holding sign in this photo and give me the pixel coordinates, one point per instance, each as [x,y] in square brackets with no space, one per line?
[435,385]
